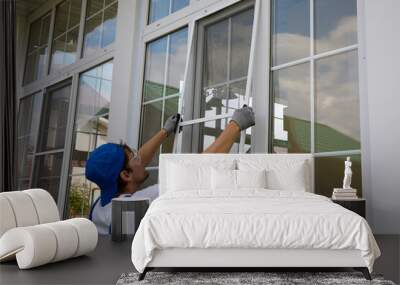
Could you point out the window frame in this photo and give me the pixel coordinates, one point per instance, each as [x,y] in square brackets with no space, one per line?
[52,80]
[311,59]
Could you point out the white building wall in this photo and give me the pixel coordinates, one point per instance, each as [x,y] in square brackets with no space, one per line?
[380,115]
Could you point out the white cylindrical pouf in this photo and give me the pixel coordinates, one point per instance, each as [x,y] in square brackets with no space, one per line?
[33,246]
[87,234]
[67,239]
[23,207]
[7,218]
[45,205]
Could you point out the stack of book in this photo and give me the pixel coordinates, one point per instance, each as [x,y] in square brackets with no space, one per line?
[343,194]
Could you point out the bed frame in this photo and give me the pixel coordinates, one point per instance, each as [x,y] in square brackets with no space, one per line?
[240,259]
[249,259]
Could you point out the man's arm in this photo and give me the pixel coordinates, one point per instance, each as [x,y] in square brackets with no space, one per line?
[149,148]
[225,140]
[241,120]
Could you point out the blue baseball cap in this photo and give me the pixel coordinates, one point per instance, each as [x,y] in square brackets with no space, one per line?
[103,168]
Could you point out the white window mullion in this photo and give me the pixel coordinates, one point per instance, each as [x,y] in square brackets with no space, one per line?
[50,41]
[81,31]
[177,146]
[250,68]
[312,93]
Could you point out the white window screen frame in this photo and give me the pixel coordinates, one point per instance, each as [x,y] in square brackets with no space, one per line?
[187,90]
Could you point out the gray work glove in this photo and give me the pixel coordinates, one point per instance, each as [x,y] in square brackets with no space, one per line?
[244,117]
[171,123]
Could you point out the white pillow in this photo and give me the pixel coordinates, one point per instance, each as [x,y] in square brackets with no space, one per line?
[281,173]
[186,176]
[293,178]
[251,178]
[223,179]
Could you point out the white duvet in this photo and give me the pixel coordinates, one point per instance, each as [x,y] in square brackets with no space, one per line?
[253,218]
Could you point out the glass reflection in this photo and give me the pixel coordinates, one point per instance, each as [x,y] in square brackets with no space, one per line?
[109,25]
[49,171]
[162,8]
[37,49]
[54,121]
[176,61]
[150,124]
[226,55]
[337,123]
[155,69]
[291,109]
[335,24]
[92,34]
[91,122]
[290,30]
[28,122]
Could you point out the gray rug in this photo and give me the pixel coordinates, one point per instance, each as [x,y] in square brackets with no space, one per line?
[225,278]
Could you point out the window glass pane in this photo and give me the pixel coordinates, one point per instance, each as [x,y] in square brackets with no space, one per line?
[155,69]
[236,98]
[37,50]
[61,19]
[41,62]
[226,57]
[92,114]
[48,173]
[158,9]
[179,4]
[90,131]
[335,24]
[34,35]
[170,108]
[64,51]
[337,116]
[242,25]
[162,8]
[58,53]
[44,36]
[100,25]
[151,124]
[329,174]
[177,61]
[74,13]
[291,109]
[290,30]
[71,46]
[215,53]
[80,194]
[30,68]
[110,21]
[93,6]
[54,119]
[28,122]
[92,34]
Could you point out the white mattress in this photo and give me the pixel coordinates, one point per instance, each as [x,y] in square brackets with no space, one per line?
[252,218]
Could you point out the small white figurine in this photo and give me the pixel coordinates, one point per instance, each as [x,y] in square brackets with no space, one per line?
[347,174]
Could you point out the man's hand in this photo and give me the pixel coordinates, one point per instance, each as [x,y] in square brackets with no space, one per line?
[244,117]
[171,124]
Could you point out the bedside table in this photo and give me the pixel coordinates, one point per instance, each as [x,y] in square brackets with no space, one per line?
[127,212]
[355,205]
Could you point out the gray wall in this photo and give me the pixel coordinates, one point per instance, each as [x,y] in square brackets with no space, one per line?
[380,113]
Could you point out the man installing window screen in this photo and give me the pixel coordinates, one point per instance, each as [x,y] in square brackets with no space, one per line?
[119,170]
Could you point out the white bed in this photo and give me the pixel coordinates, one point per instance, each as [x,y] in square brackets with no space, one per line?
[195,224]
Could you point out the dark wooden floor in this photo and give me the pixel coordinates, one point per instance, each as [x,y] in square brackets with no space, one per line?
[110,260]
[103,266]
